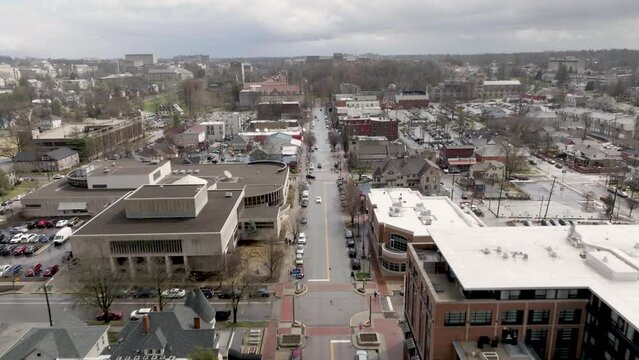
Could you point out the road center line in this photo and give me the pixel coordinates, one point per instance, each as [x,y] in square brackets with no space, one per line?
[328,272]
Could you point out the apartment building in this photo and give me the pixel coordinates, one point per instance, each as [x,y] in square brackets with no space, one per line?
[523,293]
[499,89]
[143,59]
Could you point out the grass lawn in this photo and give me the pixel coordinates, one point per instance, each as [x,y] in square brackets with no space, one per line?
[23,188]
[240,324]
[151,104]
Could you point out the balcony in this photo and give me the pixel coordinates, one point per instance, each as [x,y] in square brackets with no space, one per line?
[394,255]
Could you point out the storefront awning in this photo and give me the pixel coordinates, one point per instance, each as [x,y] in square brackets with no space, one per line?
[457,162]
[65,206]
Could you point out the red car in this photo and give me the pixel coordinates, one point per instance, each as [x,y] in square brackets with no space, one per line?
[50,271]
[35,270]
[113,315]
[45,224]
[20,250]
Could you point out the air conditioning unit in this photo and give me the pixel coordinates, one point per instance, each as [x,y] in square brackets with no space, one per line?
[228,194]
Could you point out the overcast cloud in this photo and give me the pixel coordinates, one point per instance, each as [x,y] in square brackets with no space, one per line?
[234,28]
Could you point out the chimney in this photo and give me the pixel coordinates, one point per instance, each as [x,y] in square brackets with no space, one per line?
[146,324]
[196,323]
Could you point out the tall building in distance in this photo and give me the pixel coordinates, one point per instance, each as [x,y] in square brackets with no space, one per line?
[572,64]
[142,59]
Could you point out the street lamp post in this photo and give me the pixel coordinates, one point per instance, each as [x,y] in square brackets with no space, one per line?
[46,296]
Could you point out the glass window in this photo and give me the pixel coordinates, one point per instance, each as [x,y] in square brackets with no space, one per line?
[481,317]
[512,317]
[398,242]
[538,316]
[455,318]
[392,266]
[569,316]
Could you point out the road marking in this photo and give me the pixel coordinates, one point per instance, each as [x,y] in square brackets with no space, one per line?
[390,304]
[318,280]
[328,272]
[336,342]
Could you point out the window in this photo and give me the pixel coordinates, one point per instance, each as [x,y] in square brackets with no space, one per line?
[512,317]
[455,318]
[392,266]
[156,175]
[126,247]
[99,186]
[538,316]
[481,317]
[510,295]
[569,316]
[398,242]
[33,206]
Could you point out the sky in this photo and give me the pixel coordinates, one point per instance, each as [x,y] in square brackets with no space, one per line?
[252,28]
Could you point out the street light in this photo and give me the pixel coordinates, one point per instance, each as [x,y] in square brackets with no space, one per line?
[46,296]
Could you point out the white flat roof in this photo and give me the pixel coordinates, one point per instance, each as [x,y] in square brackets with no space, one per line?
[553,261]
[501,82]
[66,130]
[443,212]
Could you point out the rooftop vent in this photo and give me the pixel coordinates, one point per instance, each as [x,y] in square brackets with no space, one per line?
[189,171]
[228,194]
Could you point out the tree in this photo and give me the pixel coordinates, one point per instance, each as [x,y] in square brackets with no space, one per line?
[514,157]
[159,280]
[310,139]
[345,142]
[333,139]
[238,279]
[562,76]
[609,204]
[202,354]
[192,94]
[273,256]
[5,185]
[632,204]
[590,86]
[294,218]
[56,107]
[97,285]
[351,202]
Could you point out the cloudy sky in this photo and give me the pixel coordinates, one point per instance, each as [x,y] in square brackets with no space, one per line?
[236,28]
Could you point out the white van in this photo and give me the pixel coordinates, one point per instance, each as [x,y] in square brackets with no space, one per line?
[62,235]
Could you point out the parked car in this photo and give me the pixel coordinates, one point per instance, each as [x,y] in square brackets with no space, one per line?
[478,212]
[527,223]
[50,271]
[543,222]
[19,250]
[352,253]
[228,293]
[18,229]
[261,292]
[57,177]
[299,259]
[4,270]
[144,293]
[361,355]
[208,292]
[112,316]
[310,176]
[299,249]
[17,238]
[45,224]
[303,220]
[62,223]
[562,222]
[349,234]
[34,271]
[31,238]
[355,264]
[8,250]
[175,293]
[17,268]
[222,315]
[350,243]
[296,354]
[31,249]
[74,221]
[32,224]
[552,222]
[139,314]
[301,238]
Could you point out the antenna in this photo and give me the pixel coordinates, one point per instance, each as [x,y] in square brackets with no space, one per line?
[228,174]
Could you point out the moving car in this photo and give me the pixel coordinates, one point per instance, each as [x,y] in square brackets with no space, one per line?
[112,316]
[318,200]
[144,293]
[139,313]
[228,293]
[174,293]
[51,270]
[207,292]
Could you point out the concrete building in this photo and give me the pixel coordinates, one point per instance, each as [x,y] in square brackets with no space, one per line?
[369,126]
[55,160]
[9,73]
[167,74]
[48,122]
[214,131]
[414,172]
[143,59]
[99,138]
[499,89]
[401,216]
[523,293]
[572,64]
[191,137]
[413,99]
[457,157]
[76,84]
[183,227]
[169,110]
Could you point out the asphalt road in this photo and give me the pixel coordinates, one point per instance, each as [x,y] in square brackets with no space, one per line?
[325,257]
[29,308]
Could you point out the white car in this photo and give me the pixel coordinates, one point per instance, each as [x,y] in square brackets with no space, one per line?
[61,223]
[299,250]
[361,355]
[301,238]
[4,269]
[17,238]
[318,200]
[139,313]
[57,177]
[31,238]
[299,259]
[174,293]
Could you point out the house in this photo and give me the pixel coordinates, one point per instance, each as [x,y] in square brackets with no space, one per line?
[240,144]
[170,334]
[56,160]
[63,342]
[169,110]
[48,122]
[215,131]
[190,137]
[489,171]
[159,151]
[457,157]
[371,151]
[414,172]
[590,157]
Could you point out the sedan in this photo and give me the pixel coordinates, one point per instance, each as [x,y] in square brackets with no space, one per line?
[301,238]
[51,270]
[174,293]
[355,264]
[34,271]
[8,250]
[207,292]
[31,249]
[143,293]
[62,223]
[139,313]
[318,200]
[20,250]
[350,243]
[299,259]
[112,316]
[352,253]
[349,234]
[303,220]
[74,221]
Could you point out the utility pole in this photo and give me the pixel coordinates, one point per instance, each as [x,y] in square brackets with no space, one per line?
[452,188]
[370,310]
[541,206]
[549,196]
[46,296]
[293,300]
[501,190]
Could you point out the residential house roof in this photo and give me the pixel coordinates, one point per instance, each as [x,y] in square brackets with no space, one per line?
[413,166]
[61,153]
[57,343]
[166,333]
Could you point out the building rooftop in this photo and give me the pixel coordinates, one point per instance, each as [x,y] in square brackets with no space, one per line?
[501,82]
[211,219]
[175,191]
[66,130]
[57,342]
[408,209]
[604,259]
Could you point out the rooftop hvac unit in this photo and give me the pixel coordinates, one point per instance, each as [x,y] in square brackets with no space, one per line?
[196,171]
[106,171]
[228,194]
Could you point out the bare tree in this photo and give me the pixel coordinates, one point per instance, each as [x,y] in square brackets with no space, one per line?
[310,139]
[333,139]
[609,204]
[514,157]
[351,199]
[159,280]
[294,218]
[273,256]
[97,285]
[345,142]
[238,279]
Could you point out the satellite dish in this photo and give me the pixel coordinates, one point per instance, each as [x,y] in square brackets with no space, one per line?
[228,174]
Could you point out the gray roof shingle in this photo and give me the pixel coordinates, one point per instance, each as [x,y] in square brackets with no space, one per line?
[70,342]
